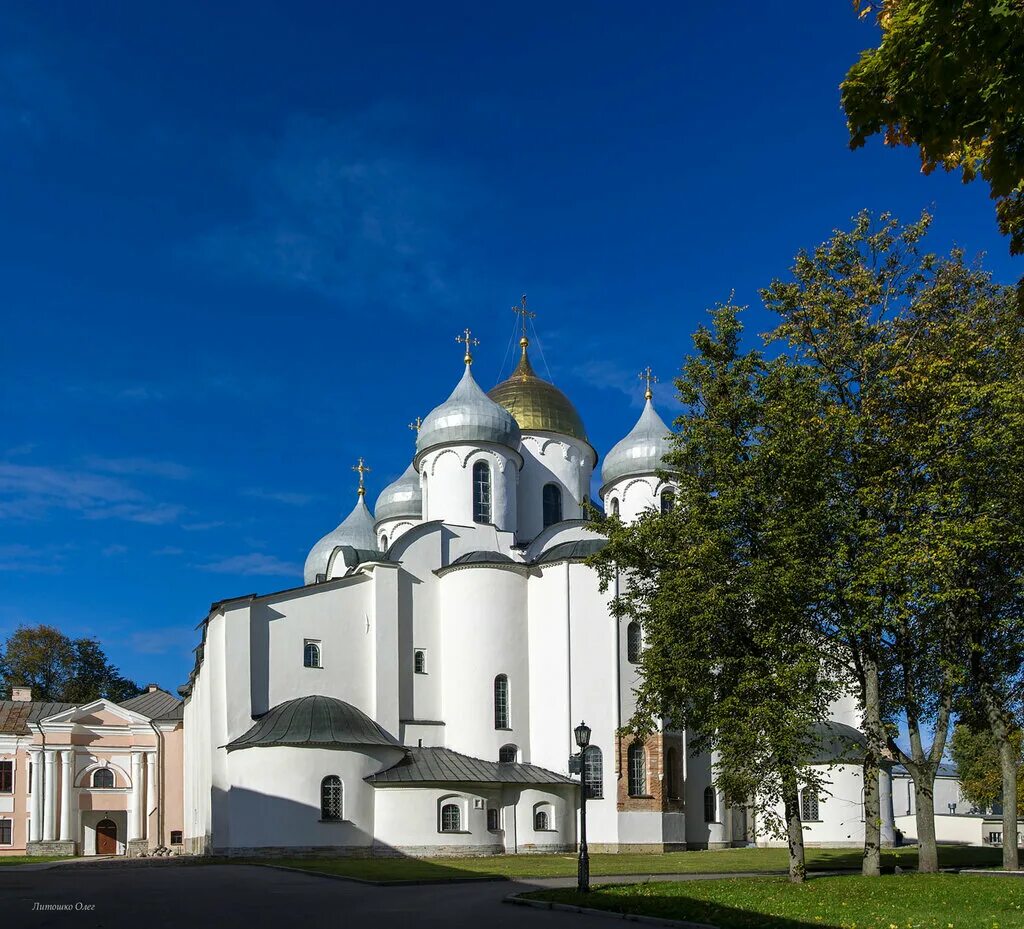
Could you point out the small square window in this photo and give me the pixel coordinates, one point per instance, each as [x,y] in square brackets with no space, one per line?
[175,837]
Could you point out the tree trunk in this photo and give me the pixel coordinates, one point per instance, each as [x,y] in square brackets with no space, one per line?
[794,828]
[924,804]
[871,865]
[1008,769]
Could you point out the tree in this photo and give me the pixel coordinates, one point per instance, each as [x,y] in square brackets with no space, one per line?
[720,584]
[59,668]
[948,77]
[976,755]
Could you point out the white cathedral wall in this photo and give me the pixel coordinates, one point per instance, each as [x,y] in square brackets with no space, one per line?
[550,458]
[392,530]
[448,485]
[635,495]
[483,635]
[274,797]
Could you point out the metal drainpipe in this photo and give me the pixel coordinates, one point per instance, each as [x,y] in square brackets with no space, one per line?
[568,658]
[618,682]
[161,779]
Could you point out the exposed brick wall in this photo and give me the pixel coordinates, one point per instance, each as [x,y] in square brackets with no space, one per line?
[657,800]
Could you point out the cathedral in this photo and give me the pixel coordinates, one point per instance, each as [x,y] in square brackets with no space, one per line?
[417,694]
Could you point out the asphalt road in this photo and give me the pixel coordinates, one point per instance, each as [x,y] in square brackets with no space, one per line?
[247,897]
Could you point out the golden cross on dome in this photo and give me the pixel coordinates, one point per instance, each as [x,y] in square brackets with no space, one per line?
[362,469]
[467,339]
[416,423]
[525,314]
[648,376]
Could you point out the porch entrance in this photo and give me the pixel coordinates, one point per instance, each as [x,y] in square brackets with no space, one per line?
[106,837]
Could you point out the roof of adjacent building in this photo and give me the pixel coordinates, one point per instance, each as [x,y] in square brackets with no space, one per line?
[315,722]
[15,715]
[155,704]
[442,765]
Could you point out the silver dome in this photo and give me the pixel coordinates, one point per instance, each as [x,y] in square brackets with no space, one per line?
[355,530]
[468,416]
[640,452]
[403,497]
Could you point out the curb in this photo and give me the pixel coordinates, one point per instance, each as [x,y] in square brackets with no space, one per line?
[518,900]
[410,882]
[991,872]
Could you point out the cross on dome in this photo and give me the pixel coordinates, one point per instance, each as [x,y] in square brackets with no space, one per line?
[648,376]
[467,339]
[525,314]
[362,469]
[416,423]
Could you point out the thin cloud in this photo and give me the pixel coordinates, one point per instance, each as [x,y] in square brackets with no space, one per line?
[204,526]
[29,559]
[168,551]
[148,467]
[288,498]
[161,641]
[115,549]
[252,564]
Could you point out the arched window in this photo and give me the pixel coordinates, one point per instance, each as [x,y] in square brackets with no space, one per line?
[103,777]
[672,773]
[383,542]
[451,818]
[492,819]
[637,771]
[508,754]
[311,655]
[668,501]
[809,806]
[330,797]
[540,821]
[593,773]
[552,496]
[481,492]
[710,805]
[634,642]
[419,661]
[615,506]
[501,714]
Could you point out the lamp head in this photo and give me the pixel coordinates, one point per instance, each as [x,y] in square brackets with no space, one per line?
[582,732]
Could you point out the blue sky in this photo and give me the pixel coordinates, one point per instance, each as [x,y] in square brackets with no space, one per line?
[235,252]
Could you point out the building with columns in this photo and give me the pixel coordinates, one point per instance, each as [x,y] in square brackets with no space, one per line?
[417,692]
[100,778]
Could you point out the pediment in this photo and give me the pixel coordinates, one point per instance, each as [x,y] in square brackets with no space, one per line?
[99,714]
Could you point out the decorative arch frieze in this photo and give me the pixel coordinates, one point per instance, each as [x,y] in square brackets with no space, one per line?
[636,480]
[502,462]
[121,779]
[439,456]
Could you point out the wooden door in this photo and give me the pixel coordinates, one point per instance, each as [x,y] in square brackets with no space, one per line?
[106,837]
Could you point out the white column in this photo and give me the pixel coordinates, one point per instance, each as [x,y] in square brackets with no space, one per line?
[49,797]
[135,811]
[150,793]
[36,806]
[65,795]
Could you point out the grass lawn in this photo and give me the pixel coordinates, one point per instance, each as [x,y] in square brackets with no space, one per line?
[526,866]
[28,859]
[920,901]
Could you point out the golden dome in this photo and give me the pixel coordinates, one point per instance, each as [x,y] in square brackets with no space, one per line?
[538,406]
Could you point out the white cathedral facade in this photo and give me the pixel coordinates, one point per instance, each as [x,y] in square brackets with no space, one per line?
[418,693]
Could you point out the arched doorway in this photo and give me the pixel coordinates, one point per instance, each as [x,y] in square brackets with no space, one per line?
[106,837]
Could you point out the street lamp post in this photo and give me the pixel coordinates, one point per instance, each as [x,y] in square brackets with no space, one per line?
[582,733]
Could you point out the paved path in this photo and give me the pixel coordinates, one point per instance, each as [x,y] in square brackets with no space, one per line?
[247,897]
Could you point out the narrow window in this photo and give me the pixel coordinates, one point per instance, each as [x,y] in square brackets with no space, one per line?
[311,655]
[419,661]
[710,805]
[508,754]
[103,777]
[481,492]
[540,821]
[634,639]
[615,506]
[501,714]
[6,777]
[331,797]
[451,818]
[672,774]
[552,496]
[492,819]
[30,777]
[593,773]
[6,830]
[668,501]
[637,771]
[809,806]
[383,542]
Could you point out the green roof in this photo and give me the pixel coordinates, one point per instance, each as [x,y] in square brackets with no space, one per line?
[315,722]
[443,766]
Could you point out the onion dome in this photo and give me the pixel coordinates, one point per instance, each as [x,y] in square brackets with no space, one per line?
[642,451]
[355,530]
[537,405]
[468,417]
[401,498]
